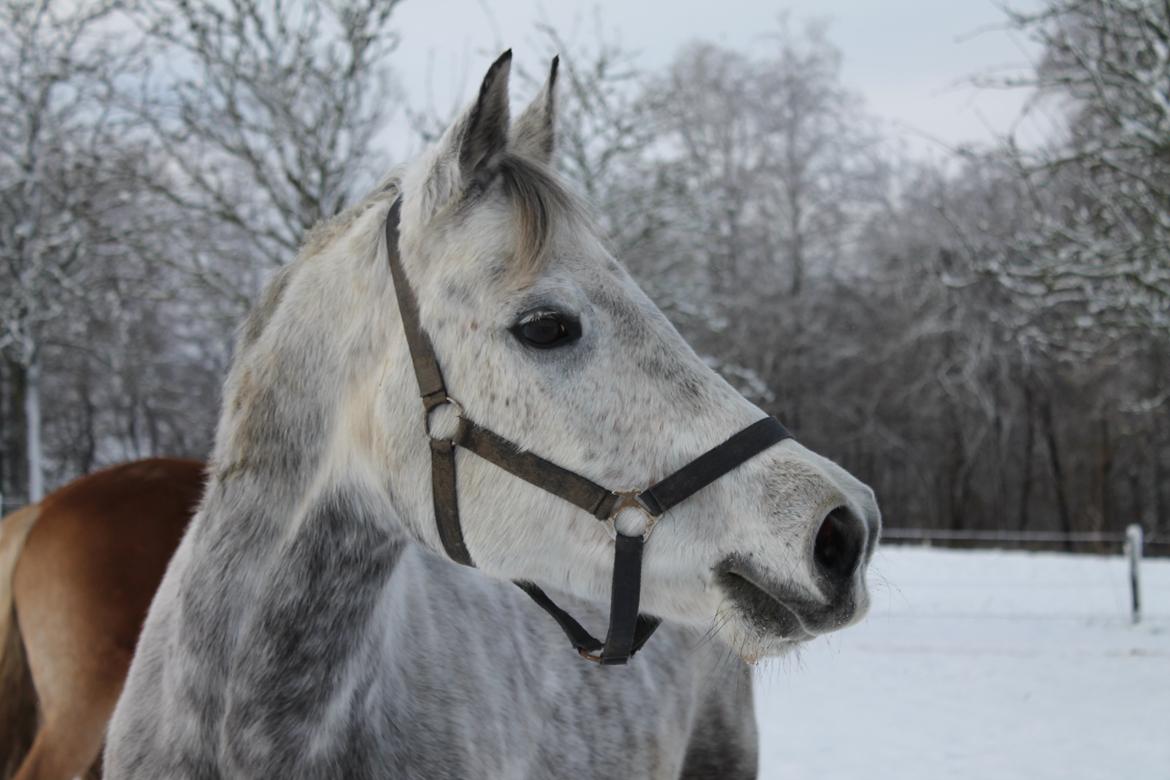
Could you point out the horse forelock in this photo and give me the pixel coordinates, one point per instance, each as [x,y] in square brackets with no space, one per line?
[540,200]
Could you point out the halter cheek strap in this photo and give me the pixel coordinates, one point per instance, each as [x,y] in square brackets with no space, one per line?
[628,630]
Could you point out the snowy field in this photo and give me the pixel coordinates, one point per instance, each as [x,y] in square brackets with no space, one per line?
[980,665]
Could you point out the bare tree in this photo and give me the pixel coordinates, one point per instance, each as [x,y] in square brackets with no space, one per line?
[142,143]
[54,126]
[1100,193]
[983,339]
[773,165]
[778,145]
[268,115]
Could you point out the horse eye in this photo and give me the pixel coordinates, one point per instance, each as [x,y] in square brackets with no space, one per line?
[547,330]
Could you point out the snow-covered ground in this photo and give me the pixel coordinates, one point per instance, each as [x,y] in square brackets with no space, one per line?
[980,665]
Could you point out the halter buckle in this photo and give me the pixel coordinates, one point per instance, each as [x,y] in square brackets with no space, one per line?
[629,499]
[595,657]
[429,410]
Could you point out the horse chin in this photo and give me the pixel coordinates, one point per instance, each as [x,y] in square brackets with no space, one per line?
[762,618]
[753,645]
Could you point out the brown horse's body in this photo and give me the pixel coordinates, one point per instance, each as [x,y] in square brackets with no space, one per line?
[77,574]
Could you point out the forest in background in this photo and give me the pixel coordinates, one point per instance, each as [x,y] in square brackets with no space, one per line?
[982,336]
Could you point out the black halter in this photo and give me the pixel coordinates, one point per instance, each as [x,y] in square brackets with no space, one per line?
[628,630]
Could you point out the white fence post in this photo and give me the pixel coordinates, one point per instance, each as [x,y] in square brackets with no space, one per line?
[1133,551]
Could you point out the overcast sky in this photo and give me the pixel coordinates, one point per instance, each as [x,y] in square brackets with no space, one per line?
[911,59]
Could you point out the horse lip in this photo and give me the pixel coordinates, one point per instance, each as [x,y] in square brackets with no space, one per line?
[771,609]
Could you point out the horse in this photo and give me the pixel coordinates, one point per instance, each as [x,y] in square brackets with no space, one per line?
[77,573]
[422,409]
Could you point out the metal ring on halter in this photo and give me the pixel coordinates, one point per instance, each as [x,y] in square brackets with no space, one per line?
[630,499]
[447,401]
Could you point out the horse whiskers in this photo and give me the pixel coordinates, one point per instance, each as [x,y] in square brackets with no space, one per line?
[717,623]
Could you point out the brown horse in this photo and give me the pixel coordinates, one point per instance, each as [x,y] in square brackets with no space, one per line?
[77,574]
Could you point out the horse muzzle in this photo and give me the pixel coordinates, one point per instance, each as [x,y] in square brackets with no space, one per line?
[789,612]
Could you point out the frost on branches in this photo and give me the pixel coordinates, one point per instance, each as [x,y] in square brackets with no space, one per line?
[1097,251]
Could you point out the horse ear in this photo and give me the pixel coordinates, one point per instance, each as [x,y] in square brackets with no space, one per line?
[468,150]
[484,131]
[534,133]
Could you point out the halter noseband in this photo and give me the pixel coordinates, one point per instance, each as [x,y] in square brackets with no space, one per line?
[628,630]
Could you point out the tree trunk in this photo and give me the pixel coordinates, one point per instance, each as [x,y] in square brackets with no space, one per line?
[1064,512]
[796,250]
[1029,452]
[1161,524]
[955,473]
[1158,452]
[16,464]
[7,423]
[87,450]
[32,422]
[1105,474]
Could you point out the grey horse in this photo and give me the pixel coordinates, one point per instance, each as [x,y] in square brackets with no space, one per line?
[310,626]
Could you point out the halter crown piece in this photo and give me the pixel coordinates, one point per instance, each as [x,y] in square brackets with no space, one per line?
[628,630]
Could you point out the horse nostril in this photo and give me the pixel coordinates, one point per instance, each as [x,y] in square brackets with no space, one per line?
[839,544]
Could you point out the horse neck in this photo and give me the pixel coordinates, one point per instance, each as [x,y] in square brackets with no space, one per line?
[298,402]
[295,513]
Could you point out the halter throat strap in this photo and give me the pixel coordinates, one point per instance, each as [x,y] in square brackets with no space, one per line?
[628,629]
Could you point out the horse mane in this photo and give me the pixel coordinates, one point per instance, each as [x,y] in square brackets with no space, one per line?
[317,240]
[329,229]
